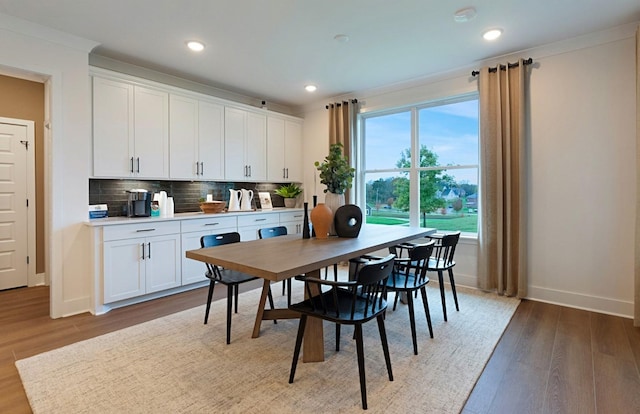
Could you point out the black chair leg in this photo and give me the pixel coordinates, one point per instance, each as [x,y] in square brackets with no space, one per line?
[335,272]
[444,304]
[284,286]
[235,297]
[229,307]
[425,302]
[338,337]
[288,282]
[385,345]
[395,300]
[360,352]
[453,288]
[209,297]
[296,351]
[412,321]
[270,297]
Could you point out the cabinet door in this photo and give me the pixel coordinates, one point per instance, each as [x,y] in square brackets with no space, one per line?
[192,270]
[183,137]
[293,151]
[275,149]
[235,166]
[124,275]
[163,264]
[112,128]
[211,149]
[256,146]
[151,132]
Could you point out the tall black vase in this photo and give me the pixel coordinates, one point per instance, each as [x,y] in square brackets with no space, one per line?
[315,202]
[305,222]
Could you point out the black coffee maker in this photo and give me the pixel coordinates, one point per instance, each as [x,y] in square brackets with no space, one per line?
[139,203]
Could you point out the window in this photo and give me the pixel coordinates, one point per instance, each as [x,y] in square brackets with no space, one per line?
[419,165]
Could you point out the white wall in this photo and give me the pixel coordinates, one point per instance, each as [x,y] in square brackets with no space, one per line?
[581,189]
[35,52]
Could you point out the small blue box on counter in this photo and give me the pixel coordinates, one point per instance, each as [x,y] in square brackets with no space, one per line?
[98,211]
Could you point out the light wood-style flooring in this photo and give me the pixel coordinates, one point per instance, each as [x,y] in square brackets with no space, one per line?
[551,359]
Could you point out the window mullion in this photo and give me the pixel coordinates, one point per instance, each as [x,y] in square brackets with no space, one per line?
[414,174]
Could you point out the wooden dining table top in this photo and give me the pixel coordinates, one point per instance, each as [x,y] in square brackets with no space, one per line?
[283,257]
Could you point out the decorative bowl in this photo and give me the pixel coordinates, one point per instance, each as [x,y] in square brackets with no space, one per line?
[209,207]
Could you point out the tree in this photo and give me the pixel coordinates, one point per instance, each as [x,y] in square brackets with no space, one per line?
[430,181]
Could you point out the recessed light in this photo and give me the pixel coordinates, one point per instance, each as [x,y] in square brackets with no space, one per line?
[310,88]
[342,38]
[464,15]
[492,34]
[195,45]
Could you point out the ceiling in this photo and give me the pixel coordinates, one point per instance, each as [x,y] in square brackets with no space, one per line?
[271,49]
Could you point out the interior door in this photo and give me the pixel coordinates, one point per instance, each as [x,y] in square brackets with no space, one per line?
[13,206]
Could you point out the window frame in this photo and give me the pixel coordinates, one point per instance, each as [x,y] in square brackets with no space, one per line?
[359,147]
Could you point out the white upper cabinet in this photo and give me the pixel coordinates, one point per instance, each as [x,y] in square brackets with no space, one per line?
[284,150]
[130,130]
[245,141]
[196,139]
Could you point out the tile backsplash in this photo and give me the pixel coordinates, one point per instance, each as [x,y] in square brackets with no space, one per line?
[186,194]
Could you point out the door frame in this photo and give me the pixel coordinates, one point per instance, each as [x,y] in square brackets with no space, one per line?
[32,278]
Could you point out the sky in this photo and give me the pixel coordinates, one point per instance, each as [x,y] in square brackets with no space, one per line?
[451,131]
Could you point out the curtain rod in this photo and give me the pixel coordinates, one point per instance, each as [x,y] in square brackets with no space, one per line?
[503,67]
[353,101]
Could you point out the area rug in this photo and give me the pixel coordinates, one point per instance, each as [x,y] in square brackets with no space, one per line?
[176,364]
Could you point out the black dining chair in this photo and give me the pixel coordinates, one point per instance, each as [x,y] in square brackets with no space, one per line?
[231,278]
[409,276]
[352,302]
[268,232]
[441,260]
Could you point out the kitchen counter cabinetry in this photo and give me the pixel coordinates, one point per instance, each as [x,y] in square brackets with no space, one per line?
[284,149]
[197,139]
[245,144]
[130,130]
[292,220]
[192,230]
[140,259]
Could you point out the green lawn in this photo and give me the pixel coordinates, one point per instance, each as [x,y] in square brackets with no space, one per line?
[466,223]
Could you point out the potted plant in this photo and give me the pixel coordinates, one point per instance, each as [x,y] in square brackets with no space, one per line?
[337,175]
[335,171]
[289,192]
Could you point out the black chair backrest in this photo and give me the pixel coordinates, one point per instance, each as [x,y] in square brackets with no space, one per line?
[445,248]
[417,264]
[269,232]
[211,240]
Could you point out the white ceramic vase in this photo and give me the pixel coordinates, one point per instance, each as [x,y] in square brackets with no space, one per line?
[333,201]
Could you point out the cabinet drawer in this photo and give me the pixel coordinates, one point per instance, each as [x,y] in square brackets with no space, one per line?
[209,224]
[291,216]
[127,231]
[258,220]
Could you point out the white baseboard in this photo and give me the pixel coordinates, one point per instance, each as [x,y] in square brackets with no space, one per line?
[592,303]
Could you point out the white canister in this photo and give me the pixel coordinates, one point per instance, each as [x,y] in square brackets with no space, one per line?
[170,207]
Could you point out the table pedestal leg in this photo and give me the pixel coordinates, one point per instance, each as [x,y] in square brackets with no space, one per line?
[313,343]
[263,300]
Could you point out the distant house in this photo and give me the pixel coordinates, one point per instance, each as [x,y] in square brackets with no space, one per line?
[472,200]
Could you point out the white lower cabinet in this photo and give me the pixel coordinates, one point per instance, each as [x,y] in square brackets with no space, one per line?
[192,230]
[248,225]
[292,220]
[140,259]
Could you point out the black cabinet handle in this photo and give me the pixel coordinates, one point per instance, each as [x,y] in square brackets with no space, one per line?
[131,165]
[211,224]
[143,253]
[138,171]
[142,230]
[149,244]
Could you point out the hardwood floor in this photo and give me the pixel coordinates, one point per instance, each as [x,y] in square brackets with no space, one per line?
[551,359]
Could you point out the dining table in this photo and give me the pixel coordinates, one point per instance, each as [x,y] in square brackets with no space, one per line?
[280,258]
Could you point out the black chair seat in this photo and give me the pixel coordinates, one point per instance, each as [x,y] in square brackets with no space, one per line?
[410,276]
[230,278]
[441,260]
[333,306]
[352,302]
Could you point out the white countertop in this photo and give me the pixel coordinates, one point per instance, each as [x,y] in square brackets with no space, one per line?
[109,221]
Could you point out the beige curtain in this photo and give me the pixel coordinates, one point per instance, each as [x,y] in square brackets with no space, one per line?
[636,316]
[501,238]
[342,129]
